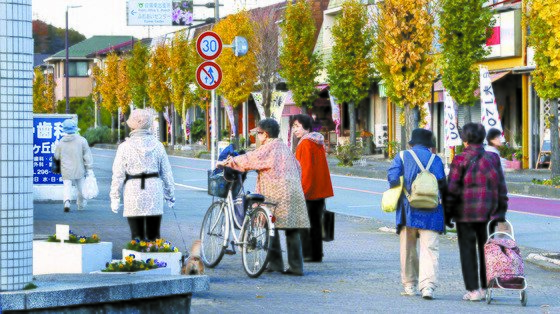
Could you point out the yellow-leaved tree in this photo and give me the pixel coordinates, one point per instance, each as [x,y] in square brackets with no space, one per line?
[183,62]
[109,85]
[403,56]
[123,90]
[39,88]
[542,18]
[49,93]
[159,89]
[239,73]
[97,75]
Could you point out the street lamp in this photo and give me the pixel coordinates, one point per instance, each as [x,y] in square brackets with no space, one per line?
[66,63]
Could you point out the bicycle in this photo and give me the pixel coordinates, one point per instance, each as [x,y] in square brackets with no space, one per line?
[220,223]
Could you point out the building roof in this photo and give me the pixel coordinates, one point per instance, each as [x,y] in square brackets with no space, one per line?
[93,44]
[121,48]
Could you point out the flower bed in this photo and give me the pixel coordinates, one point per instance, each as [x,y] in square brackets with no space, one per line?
[70,258]
[159,249]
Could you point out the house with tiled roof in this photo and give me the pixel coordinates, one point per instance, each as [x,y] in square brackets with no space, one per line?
[80,62]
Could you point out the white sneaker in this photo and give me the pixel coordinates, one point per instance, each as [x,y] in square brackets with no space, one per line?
[409,291]
[472,296]
[428,293]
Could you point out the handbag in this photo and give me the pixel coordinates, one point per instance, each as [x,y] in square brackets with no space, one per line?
[89,187]
[391,197]
[55,166]
[328,226]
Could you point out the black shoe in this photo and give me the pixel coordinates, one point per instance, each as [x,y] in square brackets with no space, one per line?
[66,209]
[66,206]
[292,273]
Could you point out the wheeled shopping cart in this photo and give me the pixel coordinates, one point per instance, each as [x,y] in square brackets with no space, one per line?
[504,263]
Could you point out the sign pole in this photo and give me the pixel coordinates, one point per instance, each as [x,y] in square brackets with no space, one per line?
[213,103]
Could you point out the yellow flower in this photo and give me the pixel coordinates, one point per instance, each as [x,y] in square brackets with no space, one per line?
[121,266]
[166,245]
[141,266]
[82,240]
[94,236]
[142,243]
[176,250]
[129,259]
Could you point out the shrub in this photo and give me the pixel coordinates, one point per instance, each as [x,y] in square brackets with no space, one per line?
[198,130]
[394,148]
[98,135]
[347,153]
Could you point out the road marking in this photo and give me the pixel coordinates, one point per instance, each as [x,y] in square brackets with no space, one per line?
[359,206]
[357,190]
[355,177]
[191,187]
[529,213]
[192,168]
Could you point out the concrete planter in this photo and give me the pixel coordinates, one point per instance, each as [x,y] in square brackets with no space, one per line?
[173,259]
[148,272]
[70,258]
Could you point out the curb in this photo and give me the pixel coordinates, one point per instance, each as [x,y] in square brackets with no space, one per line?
[547,261]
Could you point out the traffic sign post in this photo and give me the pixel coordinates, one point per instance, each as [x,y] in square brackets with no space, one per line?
[209,75]
[209,45]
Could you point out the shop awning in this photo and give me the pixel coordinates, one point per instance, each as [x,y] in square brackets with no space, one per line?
[438,86]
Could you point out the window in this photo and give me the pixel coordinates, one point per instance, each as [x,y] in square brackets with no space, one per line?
[78,68]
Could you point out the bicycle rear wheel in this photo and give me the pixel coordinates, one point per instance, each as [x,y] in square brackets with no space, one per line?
[256,241]
[213,234]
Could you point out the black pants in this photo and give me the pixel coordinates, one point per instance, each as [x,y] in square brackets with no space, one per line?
[293,246]
[312,238]
[145,227]
[471,237]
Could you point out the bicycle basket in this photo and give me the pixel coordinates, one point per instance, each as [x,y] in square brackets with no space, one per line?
[218,185]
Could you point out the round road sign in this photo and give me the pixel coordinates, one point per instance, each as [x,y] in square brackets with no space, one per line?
[209,45]
[209,75]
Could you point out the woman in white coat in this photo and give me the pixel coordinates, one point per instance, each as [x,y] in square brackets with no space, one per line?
[142,174]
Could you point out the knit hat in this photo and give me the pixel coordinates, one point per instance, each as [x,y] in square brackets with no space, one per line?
[422,137]
[140,119]
[69,126]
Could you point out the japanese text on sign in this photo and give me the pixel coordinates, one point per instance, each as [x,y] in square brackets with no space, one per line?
[490,116]
[47,132]
[452,137]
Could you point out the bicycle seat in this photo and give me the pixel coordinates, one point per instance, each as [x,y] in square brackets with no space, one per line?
[254,197]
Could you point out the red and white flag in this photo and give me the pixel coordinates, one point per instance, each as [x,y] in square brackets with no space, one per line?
[490,116]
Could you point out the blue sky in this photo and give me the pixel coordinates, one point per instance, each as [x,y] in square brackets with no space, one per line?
[108,17]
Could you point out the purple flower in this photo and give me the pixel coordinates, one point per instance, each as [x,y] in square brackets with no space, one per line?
[176,15]
[187,17]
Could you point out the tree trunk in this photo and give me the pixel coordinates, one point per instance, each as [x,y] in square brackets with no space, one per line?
[555,158]
[235,137]
[113,126]
[467,118]
[410,120]
[173,117]
[352,119]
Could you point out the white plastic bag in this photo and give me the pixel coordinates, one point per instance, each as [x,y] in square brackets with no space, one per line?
[89,188]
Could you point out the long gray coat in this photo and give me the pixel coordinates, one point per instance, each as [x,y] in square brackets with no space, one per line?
[74,155]
[142,153]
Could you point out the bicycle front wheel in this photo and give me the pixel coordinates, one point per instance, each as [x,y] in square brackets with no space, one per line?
[256,241]
[213,234]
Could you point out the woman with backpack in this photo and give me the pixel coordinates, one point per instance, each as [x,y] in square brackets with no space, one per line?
[476,194]
[423,224]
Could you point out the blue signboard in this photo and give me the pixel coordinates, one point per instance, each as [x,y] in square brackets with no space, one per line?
[47,132]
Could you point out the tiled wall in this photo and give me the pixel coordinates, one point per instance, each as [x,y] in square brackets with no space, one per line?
[16,140]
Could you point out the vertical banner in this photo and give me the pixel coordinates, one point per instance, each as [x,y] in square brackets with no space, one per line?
[490,116]
[335,113]
[167,119]
[427,117]
[452,137]
[258,97]
[187,124]
[47,132]
[231,117]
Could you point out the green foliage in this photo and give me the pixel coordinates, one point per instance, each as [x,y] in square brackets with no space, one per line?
[394,148]
[299,65]
[30,286]
[158,72]
[183,63]
[464,27]
[347,153]
[508,152]
[138,75]
[49,39]
[350,68]
[84,108]
[101,134]
[459,149]
[39,90]
[555,181]
[76,239]
[198,130]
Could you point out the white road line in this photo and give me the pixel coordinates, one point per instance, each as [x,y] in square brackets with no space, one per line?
[355,177]
[190,187]
[360,206]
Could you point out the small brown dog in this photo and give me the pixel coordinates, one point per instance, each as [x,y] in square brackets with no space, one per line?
[194,265]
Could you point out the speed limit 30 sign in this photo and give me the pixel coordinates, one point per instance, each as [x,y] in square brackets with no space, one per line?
[209,45]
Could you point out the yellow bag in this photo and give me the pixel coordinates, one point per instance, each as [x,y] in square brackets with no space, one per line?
[390,198]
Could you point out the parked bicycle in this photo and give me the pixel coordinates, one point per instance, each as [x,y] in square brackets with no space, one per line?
[220,224]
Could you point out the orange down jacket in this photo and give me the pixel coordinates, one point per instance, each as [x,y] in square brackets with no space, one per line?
[315,174]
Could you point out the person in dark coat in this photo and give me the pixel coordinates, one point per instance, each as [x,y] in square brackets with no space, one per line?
[476,194]
[416,225]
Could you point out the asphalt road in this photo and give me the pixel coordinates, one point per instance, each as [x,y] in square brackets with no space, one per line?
[360,271]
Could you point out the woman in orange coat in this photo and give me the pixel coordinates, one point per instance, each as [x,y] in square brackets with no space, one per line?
[316,183]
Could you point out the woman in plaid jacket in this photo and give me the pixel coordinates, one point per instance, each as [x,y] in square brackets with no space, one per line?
[476,194]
